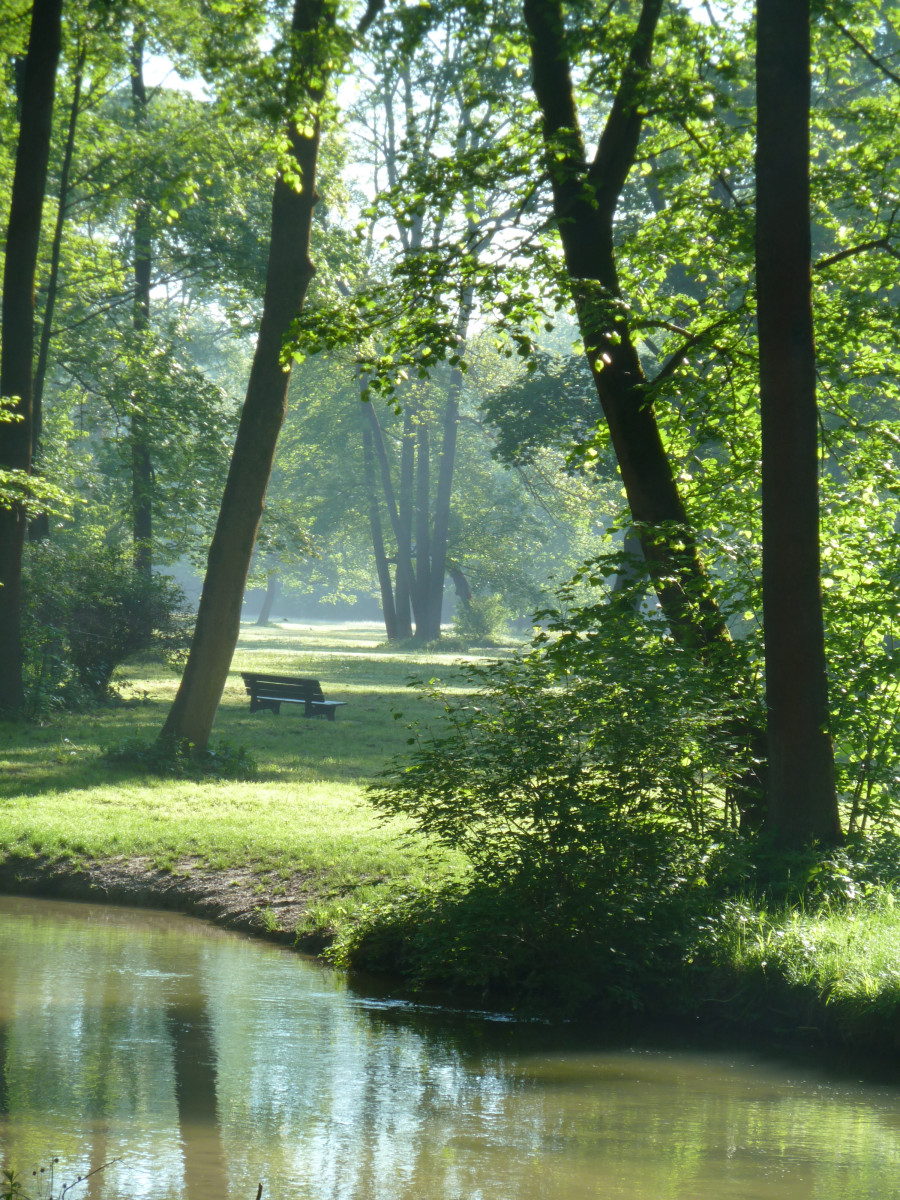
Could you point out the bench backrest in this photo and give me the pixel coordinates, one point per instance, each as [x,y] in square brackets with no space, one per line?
[282,687]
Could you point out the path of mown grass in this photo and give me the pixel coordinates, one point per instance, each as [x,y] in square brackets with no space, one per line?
[306,813]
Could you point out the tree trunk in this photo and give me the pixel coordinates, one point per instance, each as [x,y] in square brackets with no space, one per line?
[802,805]
[407,592]
[16,355]
[444,493]
[585,198]
[381,563]
[423,515]
[141,464]
[40,526]
[460,584]
[630,573]
[404,559]
[289,273]
[273,587]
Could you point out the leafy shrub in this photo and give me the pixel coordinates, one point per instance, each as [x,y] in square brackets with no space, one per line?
[86,611]
[542,761]
[585,783]
[481,620]
[610,941]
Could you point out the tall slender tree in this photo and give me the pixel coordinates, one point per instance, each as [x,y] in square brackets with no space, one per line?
[802,804]
[17,334]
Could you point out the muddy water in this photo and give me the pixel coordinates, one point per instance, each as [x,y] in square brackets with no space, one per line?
[197,1063]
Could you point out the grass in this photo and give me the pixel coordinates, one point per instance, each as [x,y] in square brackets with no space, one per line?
[305,815]
[831,971]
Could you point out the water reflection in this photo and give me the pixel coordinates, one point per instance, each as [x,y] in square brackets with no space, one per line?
[205,1063]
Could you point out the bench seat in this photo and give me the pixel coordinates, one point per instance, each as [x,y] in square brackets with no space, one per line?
[271,691]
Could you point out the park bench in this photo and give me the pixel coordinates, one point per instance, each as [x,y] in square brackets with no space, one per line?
[271,691]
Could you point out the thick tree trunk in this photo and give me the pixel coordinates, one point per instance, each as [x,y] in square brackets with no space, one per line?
[585,198]
[40,526]
[381,563]
[630,573]
[289,274]
[141,463]
[802,805]
[16,354]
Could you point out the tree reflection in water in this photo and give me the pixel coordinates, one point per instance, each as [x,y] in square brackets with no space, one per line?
[207,1063]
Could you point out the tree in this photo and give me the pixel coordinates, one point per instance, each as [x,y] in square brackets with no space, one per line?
[802,803]
[40,525]
[586,196]
[421,106]
[17,350]
[162,182]
[313,42]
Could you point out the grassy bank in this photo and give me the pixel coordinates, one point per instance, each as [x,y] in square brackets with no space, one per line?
[304,819]
[301,851]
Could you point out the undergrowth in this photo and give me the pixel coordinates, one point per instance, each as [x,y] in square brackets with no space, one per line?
[181,759]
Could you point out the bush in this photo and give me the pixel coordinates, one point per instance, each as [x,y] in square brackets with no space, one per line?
[480,620]
[585,782]
[87,611]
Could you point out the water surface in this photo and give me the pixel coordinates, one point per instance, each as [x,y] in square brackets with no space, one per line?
[203,1062]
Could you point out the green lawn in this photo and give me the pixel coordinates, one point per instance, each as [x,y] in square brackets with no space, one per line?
[306,814]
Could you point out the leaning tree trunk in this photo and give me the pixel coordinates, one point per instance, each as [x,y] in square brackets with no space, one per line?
[17,331]
[289,274]
[585,199]
[802,804]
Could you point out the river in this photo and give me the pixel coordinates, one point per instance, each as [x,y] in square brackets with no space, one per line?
[197,1063]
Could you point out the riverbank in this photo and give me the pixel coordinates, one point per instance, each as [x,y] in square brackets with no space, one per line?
[827,983]
[298,856]
[236,898]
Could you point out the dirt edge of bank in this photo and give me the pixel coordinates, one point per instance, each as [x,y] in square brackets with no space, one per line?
[239,899]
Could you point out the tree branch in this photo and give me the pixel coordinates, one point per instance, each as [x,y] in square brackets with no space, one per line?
[863,49]
[882,243]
